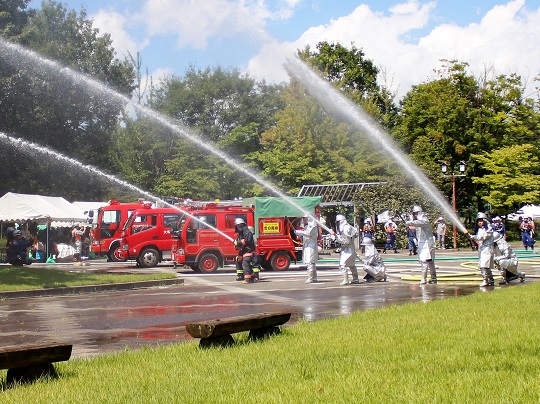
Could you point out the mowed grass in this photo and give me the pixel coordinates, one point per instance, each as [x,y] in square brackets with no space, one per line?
[25,278]
[483,348]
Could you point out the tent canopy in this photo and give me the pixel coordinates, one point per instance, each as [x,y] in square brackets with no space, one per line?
[276,207]
[42,209]
[85,206]
[279,207]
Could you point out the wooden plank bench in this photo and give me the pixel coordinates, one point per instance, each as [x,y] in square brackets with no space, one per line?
[29,362]
[218,332]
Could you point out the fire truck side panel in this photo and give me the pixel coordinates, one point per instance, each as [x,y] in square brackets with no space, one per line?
[148,237]
[200,242]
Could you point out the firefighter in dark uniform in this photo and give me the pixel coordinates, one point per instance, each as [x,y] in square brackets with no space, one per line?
[16,251]
[245,244]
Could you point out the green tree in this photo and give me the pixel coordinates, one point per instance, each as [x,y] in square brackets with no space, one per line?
[306,146]
[13,17]
[56,110]
[457,116]
[224,108]
[214,101]
[355,75]
[512,177]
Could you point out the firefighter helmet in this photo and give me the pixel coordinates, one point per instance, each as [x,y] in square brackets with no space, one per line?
[340,218]
[481,215]
[367,241]
[17,233]
[416,209]
[238,221]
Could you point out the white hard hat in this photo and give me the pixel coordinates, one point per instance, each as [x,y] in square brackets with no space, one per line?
[239,220]
[367,241]
[340,218]
[497,236]
[416,209]
[440,219]
[481,215]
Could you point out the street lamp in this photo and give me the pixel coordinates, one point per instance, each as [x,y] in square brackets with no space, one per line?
[461,167]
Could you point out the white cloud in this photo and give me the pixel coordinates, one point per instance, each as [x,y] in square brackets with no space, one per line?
[506,38]
[194,22]
[115,24]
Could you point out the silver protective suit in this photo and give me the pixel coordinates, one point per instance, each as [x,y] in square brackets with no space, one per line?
[506,260]
[310,248]
[345,236]
[373,264]
[426,246]
[484,237]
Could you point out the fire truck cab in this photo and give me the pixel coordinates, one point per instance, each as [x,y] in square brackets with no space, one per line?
[147,236]
[108,227]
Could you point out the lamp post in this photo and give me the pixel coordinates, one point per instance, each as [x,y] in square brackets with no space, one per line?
[444,168]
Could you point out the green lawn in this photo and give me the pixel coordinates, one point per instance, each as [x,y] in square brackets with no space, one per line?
[24,278]
[482,348]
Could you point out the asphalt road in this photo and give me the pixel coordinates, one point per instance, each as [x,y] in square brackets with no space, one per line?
[110,321]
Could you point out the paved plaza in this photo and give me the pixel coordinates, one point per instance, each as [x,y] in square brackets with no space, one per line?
[112,320]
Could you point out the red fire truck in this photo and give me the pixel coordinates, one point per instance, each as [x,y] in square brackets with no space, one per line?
[152,235]
[108,227]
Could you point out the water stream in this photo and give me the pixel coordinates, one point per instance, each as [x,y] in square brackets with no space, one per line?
[343,108]
[330,98]
[27,147]
[15,53]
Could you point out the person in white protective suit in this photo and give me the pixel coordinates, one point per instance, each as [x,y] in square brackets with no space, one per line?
[345,235]
[310,247]
[426,244]
[484,237]
[506,260]
[373,264]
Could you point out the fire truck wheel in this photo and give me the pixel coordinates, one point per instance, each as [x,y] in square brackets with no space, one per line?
[280,261]
[148,258]
[208,263]
[115,254]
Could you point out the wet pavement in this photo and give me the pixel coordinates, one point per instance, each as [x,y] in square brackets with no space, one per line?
[109,321]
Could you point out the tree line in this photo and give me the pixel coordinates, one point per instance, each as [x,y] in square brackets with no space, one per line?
[276,130]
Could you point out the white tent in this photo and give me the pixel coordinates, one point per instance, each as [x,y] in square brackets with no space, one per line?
[87,207]
[42,209]
[526,211]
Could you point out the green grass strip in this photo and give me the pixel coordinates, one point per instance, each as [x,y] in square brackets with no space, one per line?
[482,348]
[27,278]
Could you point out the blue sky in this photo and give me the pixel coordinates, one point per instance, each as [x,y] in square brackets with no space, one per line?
[406,39]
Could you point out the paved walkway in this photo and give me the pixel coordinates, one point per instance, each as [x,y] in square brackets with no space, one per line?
[113,320]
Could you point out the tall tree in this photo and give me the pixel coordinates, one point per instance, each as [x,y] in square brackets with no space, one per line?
[355,75]
[512,177]
[457,116]
[307,146]
[221,107]
[54,109]
[14,16]
[214,101]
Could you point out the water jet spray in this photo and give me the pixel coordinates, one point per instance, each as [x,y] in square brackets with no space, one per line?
[340,106]
[55,68]
[25,145]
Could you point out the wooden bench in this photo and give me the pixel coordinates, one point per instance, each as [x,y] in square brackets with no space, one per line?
[29,362]
[218,332]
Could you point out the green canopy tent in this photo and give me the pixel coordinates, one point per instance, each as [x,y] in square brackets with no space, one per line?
[281,207]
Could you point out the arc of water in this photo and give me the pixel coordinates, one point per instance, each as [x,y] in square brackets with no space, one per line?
[340,106]
[92,84]
[26,145]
